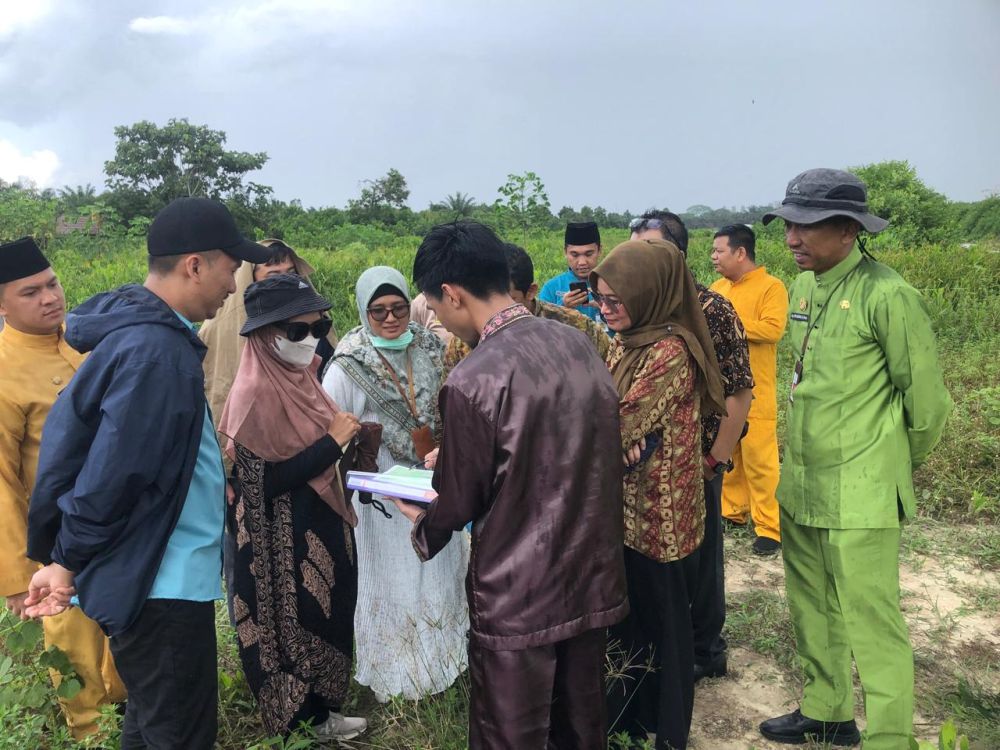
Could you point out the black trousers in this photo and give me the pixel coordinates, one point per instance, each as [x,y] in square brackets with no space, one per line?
[167,660]
[652,687]
[708,595]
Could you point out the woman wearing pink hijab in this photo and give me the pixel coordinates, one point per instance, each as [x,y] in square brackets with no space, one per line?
[296,577]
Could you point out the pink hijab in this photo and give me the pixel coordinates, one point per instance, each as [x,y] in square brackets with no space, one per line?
[276,411]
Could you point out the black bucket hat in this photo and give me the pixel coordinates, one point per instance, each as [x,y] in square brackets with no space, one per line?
[279,298]
[820,194]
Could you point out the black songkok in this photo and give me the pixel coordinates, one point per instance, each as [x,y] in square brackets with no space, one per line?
[582,233]
[20,259]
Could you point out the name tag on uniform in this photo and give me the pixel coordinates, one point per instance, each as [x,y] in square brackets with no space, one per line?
[801,317]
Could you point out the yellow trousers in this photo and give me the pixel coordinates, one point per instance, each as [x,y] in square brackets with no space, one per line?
[748,490]
[82,640]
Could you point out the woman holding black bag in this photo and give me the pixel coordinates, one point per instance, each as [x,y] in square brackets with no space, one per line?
[295,578]
[411,618]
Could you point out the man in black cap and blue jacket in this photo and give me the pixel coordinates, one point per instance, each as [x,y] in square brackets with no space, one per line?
[128,508]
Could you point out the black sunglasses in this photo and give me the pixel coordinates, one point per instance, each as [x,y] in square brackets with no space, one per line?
[399,311]
[298,330]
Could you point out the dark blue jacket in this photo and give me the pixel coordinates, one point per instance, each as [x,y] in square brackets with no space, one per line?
[118,451]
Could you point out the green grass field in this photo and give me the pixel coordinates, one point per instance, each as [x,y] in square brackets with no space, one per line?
[958,487]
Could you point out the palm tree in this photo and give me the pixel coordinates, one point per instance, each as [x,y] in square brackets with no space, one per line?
[73,199]
[460,205]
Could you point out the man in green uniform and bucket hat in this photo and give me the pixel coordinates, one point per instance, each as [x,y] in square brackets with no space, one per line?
[867,406]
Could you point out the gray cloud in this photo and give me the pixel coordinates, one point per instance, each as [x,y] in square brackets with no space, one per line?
[623,105]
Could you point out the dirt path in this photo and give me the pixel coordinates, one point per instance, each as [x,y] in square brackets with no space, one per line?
[951,608]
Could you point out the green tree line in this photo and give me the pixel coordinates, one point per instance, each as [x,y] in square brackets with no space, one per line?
[154,164]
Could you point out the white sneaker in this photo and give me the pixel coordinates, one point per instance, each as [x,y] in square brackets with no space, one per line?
[338,727]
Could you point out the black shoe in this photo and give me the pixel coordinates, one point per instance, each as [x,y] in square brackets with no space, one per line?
[714,668]
[796,729]
[764,545]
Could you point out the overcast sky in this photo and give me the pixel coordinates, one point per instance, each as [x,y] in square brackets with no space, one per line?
[621,104]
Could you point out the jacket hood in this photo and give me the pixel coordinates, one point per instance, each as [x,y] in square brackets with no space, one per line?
[130,305]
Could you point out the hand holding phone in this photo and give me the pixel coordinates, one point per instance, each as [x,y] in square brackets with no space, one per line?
[577,295]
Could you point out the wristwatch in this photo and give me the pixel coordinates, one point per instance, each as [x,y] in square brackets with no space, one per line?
[716,465]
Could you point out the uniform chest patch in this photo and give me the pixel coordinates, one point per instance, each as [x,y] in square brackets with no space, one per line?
[801,317]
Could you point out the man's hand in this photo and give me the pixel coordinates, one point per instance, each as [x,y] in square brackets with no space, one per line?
[15,603]
[49,592]
[430,460]
[575,298]
[708,473]
[411,511]
[230,494]
[633,454]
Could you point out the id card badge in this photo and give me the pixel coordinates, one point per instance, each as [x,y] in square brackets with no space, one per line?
[796,379]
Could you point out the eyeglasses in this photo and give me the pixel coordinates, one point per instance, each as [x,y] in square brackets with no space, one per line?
[606,300]
[638,224]
[298,330]
[399,311]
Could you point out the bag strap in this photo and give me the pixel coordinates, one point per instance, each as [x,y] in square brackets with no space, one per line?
[411,402]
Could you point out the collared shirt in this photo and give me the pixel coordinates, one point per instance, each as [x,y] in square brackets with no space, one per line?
[870,403]
[556,288]
[761,301]
[33,370]
[531,454]
[458,350]
[732,352]
[191,568]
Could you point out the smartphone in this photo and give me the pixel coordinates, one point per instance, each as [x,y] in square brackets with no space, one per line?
[579,286]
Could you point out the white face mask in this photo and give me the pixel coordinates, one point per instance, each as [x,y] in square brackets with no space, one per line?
[296,353]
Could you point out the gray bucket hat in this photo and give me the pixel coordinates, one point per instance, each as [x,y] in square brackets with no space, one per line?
[819,194]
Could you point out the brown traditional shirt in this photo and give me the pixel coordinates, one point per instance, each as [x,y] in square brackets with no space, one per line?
[458,350]
[732,351]
[664,500]
[531,455]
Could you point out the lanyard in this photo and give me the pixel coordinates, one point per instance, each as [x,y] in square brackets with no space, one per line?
[799,362]
[411,402]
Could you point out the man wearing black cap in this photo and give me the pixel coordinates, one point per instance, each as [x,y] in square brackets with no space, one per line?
[867,405]
[583,253]
[36,363]
[128,508]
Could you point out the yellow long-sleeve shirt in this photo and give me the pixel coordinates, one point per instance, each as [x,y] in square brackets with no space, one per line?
[33,369]
[761,301]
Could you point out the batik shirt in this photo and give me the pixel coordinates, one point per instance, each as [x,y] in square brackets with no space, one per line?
[664,500]
[732,351]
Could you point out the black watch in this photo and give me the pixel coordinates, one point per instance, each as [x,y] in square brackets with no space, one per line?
[717,466]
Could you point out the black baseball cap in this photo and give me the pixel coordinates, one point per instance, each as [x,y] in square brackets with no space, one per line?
[279,298]
[196,225]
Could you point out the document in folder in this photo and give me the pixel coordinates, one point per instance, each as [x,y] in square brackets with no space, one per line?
[399,481]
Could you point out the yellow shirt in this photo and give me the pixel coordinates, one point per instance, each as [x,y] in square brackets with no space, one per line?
[761,301]
[33,369]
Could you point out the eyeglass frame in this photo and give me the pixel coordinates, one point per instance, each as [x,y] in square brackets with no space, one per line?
[603,300]
[384,311]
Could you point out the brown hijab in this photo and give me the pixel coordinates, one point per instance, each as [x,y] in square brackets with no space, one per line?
[277,411]
[658,291]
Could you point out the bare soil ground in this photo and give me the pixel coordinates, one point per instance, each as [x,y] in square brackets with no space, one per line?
[952,608]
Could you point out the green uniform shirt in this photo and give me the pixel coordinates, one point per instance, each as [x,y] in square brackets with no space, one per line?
[870,404]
